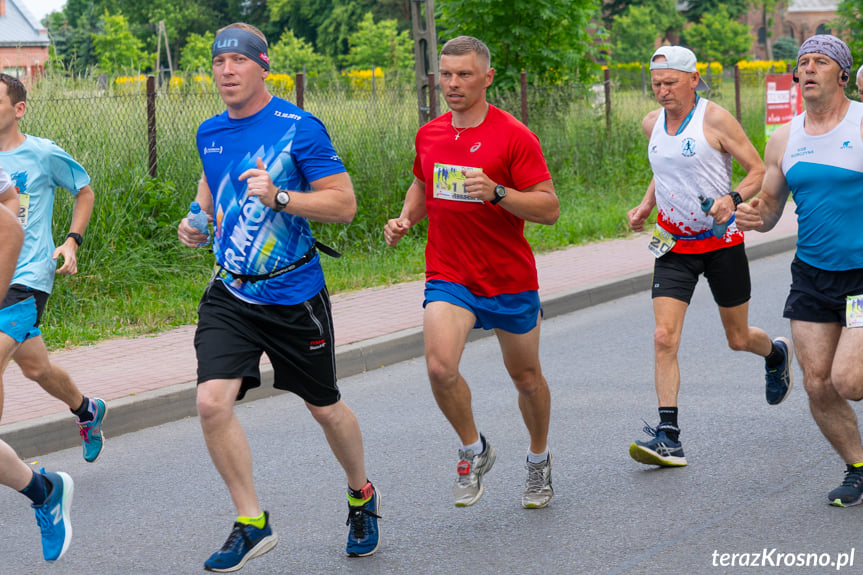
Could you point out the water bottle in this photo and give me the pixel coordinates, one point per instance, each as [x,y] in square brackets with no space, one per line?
[718,229]
[198,220]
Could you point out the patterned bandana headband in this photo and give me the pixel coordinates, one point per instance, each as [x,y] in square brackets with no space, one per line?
[243,42]
[830,46]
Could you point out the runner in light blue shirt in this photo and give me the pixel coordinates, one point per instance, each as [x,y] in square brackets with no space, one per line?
[37,167]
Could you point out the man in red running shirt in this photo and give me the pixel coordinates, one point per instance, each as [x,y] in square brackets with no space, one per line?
[479,174]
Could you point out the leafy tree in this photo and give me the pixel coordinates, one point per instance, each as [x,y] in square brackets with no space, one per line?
[768,7]
[380,44]
[291,54]
[197,53]
[546,38]
[785,48]
[697,9]
[634,33]
[116,49]
[849,22]
[72,46]
[328,24]
[719,38]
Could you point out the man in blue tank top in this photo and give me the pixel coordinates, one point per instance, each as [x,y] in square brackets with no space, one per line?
[692,144]
[818,157]
[269,167]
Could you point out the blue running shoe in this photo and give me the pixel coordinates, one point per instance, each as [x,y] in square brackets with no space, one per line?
[91,431]
[245,542]
[363,535]
[851,491]
[53,515]
[660,450]
[779,379]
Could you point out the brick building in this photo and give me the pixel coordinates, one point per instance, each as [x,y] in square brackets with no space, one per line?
[798,19]
[23,41]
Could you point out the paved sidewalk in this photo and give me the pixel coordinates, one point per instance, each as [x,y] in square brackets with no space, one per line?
[150,380]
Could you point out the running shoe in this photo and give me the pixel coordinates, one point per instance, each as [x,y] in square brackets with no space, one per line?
[363,535]
[850,493]
[53,516]
[471,468]
[537,489]
[660,450]
[91,431]
[779,379]
[245,542]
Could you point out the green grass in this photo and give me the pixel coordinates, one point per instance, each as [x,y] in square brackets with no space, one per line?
[135,278]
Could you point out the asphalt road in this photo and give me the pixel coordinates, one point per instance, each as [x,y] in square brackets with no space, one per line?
[755,486]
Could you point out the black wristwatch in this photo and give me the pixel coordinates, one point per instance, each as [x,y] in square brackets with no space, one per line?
[79,239]
[499,194]
[735,197]
[282,199]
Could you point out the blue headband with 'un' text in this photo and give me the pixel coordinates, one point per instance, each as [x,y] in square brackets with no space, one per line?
[243,42]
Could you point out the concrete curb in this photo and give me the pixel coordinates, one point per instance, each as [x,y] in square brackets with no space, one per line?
[152,408]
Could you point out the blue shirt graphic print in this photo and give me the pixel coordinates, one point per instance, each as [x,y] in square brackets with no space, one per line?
[250,238]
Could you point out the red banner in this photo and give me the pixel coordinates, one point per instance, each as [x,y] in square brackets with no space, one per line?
[784,101]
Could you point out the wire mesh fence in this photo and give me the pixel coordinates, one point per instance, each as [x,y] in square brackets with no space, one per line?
[372,125]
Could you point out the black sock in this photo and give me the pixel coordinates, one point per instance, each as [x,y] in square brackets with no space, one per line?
[774,358]
[38,488]
[668,416]
[83,411]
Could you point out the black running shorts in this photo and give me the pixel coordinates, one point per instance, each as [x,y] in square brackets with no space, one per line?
[727,272]
[819,295]
[298,339]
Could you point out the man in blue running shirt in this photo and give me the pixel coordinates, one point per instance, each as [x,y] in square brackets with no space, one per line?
[269,167]
[818,157]
[51,493]
[37,167]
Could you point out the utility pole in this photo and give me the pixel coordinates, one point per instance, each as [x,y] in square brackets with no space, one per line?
[162,33]
[425,55]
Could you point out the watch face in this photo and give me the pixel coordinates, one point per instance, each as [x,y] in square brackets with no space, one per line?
[500,191]
[283,198]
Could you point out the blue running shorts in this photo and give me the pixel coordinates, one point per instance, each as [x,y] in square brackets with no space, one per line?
[512,312]
[18,320]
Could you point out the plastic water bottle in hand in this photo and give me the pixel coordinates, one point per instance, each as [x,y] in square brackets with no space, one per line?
[718,229]
[198,220]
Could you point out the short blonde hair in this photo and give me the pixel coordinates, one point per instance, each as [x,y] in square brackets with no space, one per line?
[462,45]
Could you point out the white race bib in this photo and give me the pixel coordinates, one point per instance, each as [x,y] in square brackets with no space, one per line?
[661,242]
[854,311]
[23,208]
[449,183]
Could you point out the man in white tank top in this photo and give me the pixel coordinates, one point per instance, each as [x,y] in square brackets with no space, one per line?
[692,144]
[818,157]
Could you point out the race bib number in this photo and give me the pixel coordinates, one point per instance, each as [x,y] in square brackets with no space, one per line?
[449,183]
[854,311]
[661,242]
[23,208]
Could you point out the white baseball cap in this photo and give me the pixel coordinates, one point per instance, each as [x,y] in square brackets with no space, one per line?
[677,58]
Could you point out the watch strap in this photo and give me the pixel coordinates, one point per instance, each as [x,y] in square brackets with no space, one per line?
[735,197]
[79,239]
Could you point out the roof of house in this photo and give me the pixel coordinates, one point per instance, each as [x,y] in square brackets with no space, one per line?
[20,28]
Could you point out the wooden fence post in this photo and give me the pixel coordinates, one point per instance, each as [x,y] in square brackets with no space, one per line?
[737,91]
[607,85]
[433,103]
[151,125]
[524,97]
[301,89]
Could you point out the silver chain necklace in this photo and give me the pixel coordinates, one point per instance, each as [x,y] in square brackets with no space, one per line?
[460,131]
